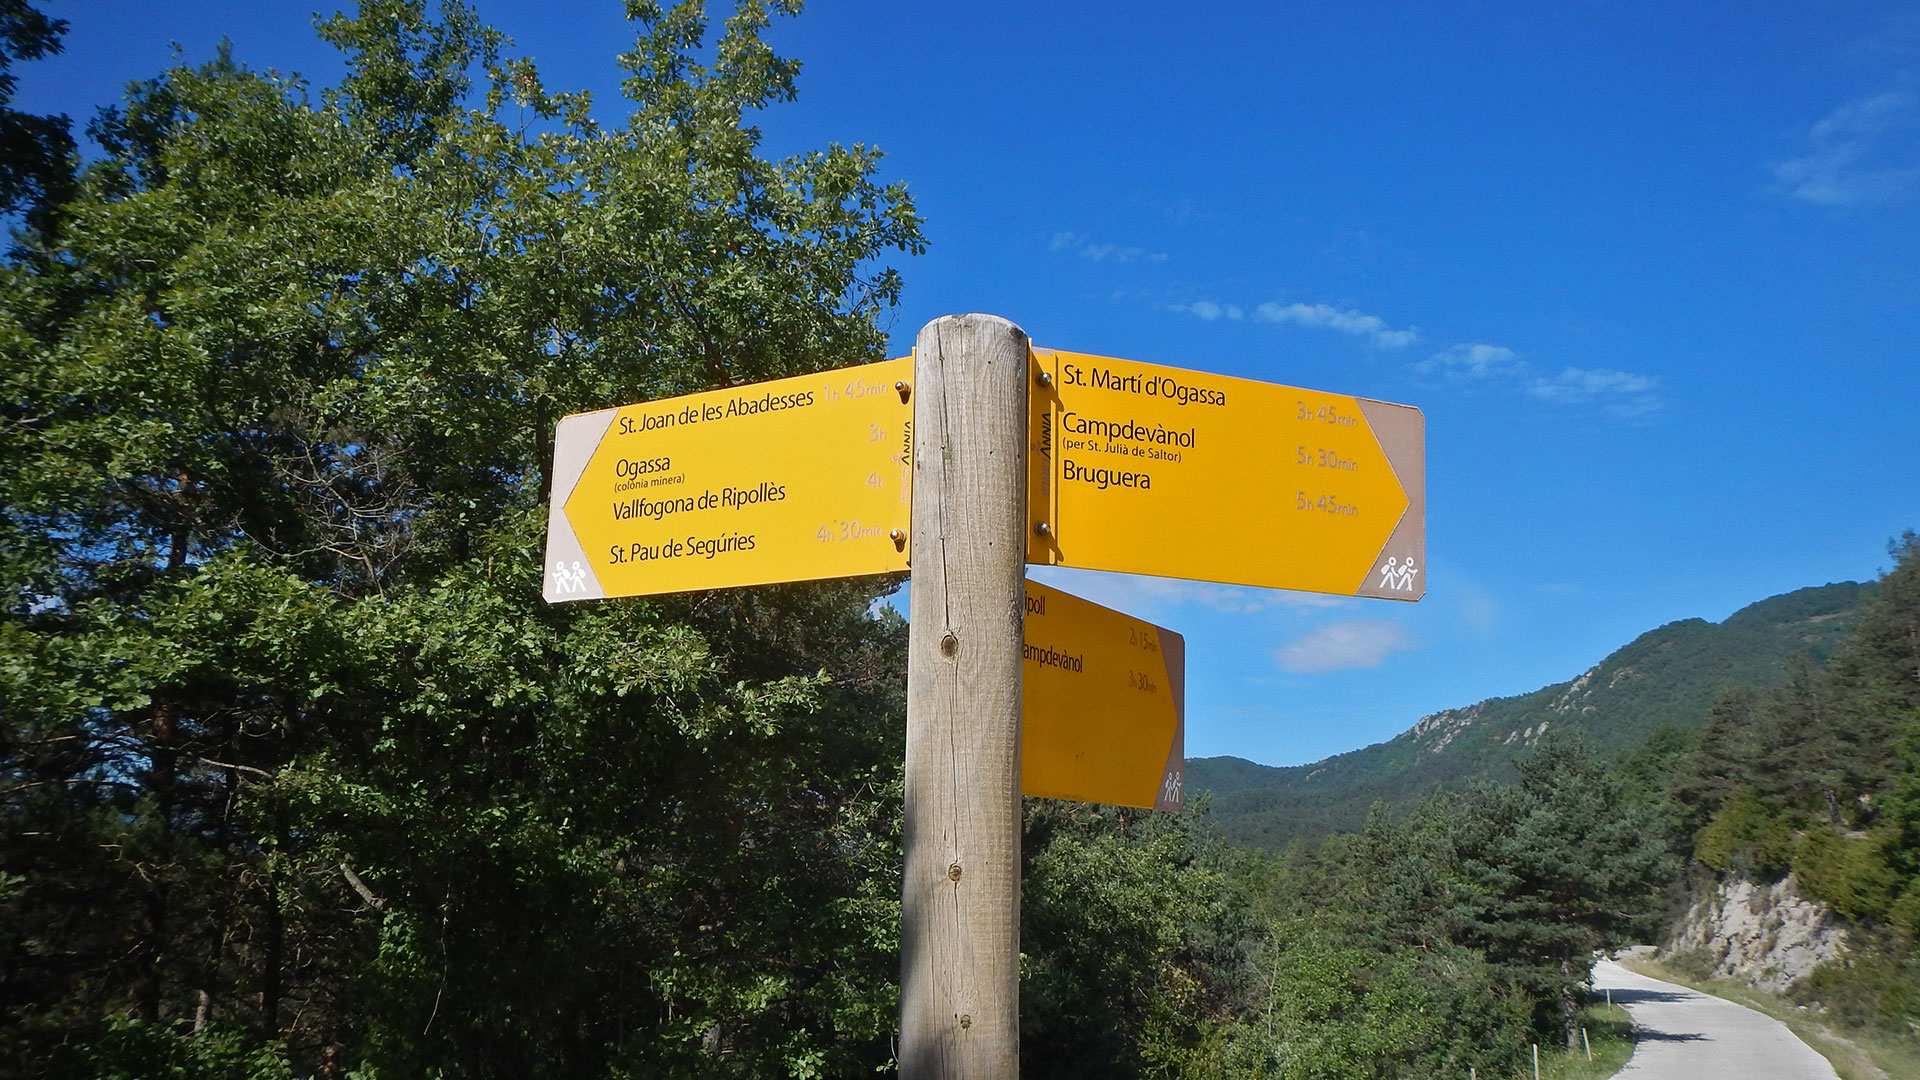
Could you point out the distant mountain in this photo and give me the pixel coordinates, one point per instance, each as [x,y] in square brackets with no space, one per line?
[1664,678]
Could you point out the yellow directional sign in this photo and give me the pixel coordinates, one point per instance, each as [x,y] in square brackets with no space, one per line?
[1155,470]
[789,480]
[1103,705]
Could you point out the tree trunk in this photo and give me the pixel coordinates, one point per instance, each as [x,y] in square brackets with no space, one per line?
[1569,1008]
[162,768]
[270,961]
[147,992]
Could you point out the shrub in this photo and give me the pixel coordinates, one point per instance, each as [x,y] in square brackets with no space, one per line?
[129,1049]
[1850,873]
[1875,985]
[1746,836]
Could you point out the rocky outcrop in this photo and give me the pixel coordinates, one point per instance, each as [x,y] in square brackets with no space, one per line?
[1767,936]
[1441,728]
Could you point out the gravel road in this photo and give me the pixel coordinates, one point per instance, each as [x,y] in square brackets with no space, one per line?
[1686,1035]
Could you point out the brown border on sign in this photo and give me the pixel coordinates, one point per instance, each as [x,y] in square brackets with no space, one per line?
[1399,571]
[575,439]
[1172,794]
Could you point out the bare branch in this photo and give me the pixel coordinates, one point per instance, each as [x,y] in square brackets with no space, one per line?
[262,773]
[360,887]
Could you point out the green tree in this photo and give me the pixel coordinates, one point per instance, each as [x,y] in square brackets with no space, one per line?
[1336,1009]
[290,747]
[1554,868]
[1359,973]
[1878,674]
[1823,748]
[1817,777]
[1724,762]
[1880,662]
[35,151]
[1131,936]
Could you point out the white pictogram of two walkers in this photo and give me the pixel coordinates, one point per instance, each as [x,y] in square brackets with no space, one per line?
[1397,575]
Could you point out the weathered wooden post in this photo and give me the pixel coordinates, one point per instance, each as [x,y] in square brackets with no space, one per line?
[960,903]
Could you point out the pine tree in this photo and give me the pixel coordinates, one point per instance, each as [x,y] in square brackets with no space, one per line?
[1555,868]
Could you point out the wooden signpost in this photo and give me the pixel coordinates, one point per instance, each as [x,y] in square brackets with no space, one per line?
[971,459]
[960,901]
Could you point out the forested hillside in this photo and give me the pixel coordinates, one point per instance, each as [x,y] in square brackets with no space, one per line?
[1818,777]
[1813,771]
[1664,680]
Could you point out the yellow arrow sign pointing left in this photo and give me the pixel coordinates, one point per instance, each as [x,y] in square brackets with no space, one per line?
[789,480]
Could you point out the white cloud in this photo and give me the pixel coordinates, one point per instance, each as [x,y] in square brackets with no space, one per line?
[1478,609]
[1328,317]
[1623,394]
[1339,646]
[1862,153]
[1472,361]
[1313,316]
[1585,384]
[1208,310]
[1086,248]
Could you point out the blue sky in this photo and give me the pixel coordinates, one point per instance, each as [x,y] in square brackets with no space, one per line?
[1652,271]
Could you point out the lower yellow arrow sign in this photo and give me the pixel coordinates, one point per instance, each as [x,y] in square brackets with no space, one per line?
[1103,705]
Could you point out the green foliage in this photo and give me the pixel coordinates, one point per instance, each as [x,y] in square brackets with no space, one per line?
[1610,1037]
[1880,665]
[1647,772]
[1849,872]
[1721,765]
[1455,936]
[35,151]
[1555,868]
[1826,749]
[128,1049]
[1355,1013]
[1903,915]
[1876,986]
[1130,938]
[290,740]
[1746,836]
[1820,776]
